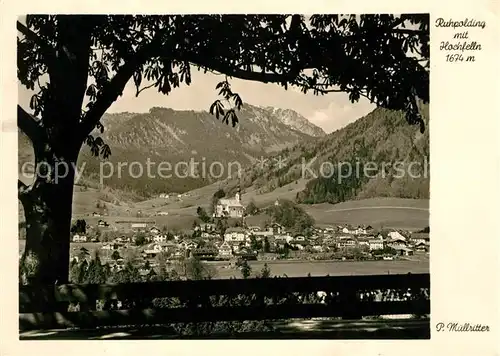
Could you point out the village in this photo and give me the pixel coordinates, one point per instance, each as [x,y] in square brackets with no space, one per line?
[229,237]
[216,241]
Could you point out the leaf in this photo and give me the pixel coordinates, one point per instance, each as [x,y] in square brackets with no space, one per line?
[219,110]
[234,119]
[137,79]
[237,101]
[100,127]
[91,91]
[105,151]
[95,150]
[98,141]
[90,140]
[213,106]
[34,102]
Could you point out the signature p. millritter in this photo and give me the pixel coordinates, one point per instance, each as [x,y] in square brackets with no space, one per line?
[457,327]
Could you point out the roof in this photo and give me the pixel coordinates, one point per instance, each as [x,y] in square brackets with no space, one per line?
[230,202]
[403,248]
[235,229]
[420,235]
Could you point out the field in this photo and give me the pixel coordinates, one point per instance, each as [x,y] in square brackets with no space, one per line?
[411,214]
[418,264]
[396,213]
[332,268]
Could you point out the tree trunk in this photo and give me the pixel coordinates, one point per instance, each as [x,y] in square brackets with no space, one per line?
[48,208]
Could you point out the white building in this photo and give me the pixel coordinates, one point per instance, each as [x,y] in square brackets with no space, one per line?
[395,235]
[225,250]
[138,226]
[154,249]
[79,238]
[375,244]
[235,235]
[261,234]
[160,238]
[286,238]
[230,207]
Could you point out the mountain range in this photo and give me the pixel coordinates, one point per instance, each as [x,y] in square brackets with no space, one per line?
[173,136]
[378,155]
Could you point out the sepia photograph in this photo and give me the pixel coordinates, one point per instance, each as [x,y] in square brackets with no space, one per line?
[224,176]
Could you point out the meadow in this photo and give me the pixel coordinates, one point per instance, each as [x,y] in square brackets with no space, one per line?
[332,268]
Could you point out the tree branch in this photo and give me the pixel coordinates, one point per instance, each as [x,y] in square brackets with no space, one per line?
[239,73]
[115,86]
[47,51]
[409,32]
[31,127]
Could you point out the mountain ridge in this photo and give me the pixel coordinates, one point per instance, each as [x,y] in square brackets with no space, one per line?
[178,136]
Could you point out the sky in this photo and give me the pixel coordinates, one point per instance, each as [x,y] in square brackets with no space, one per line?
[330,111]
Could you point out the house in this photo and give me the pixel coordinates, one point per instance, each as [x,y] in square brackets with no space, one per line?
[318,248]
[346,242]
[297,245]
[363,242]
[396,235]
[421,247]
[79,238]
[225,250]
[278,229]
[299,238]
[359,231]
[375,244]
[263,233]
[230,207]
[236,246]
[268,232]
[246,253]
[403,251]
[102,223]
[283,238]
[397,243]
[346,230]
[139,226]
[235,234]
[419,238]
[160,238]
[191,245]
[154,231]
[120,240]
[207,227]
[153,249]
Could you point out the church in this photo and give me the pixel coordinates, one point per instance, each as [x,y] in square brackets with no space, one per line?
[231,208]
